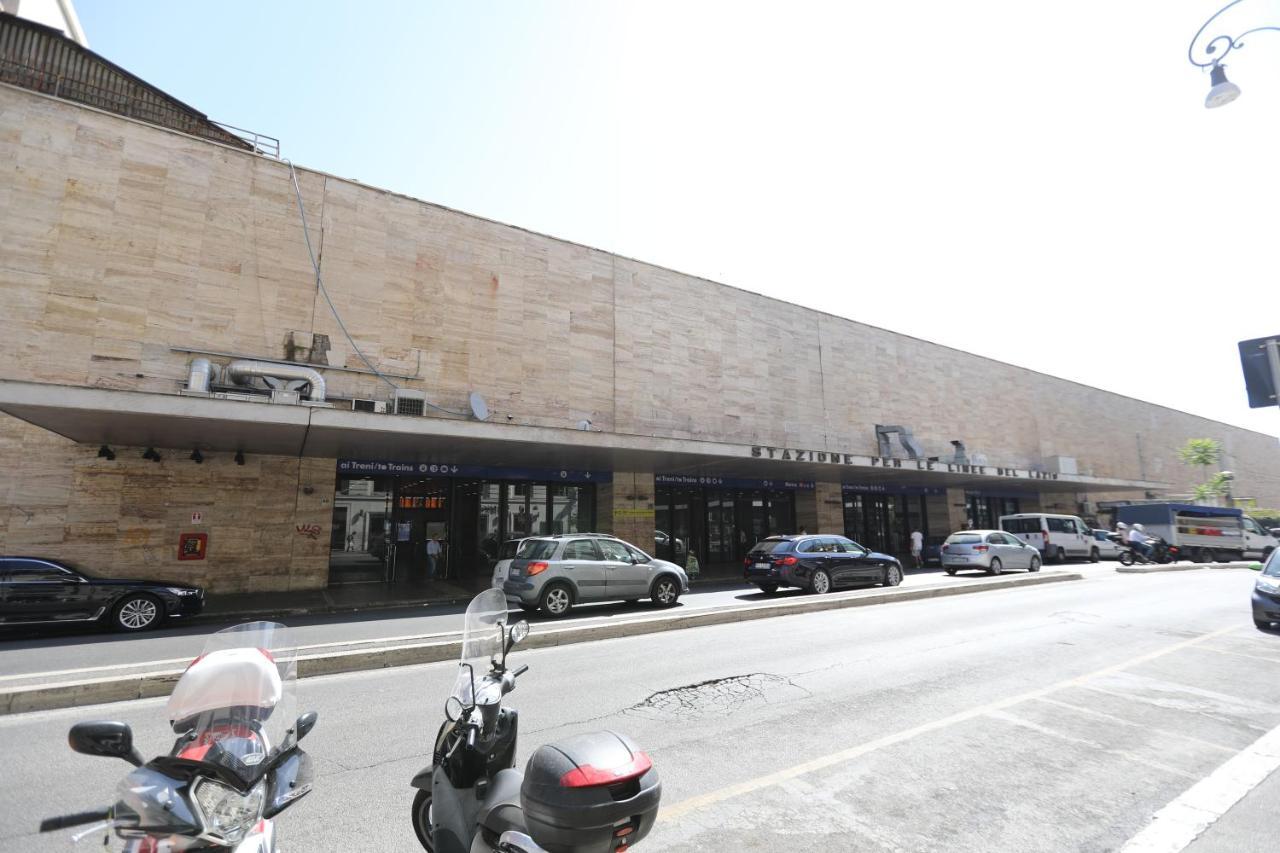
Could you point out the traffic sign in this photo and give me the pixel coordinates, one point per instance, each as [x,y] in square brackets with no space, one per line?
[1260,359]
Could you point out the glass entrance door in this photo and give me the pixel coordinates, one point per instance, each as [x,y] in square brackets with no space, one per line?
[360,540]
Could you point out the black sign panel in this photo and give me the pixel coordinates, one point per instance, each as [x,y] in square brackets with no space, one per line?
[1258,380]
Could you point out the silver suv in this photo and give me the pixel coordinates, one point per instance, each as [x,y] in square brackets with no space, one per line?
[553,573]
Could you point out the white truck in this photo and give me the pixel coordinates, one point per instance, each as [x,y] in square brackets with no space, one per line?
[1203,533]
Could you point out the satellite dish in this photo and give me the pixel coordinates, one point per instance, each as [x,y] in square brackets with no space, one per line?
[479,409]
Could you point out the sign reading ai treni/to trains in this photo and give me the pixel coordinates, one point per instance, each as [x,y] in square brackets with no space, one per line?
[793,454]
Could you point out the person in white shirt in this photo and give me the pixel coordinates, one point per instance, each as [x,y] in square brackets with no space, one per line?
[1138,541]
[917,547]
[433,555]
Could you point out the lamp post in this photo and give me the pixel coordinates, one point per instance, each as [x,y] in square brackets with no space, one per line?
[1205,52]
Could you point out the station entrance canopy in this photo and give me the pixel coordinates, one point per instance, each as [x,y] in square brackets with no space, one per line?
[132,418]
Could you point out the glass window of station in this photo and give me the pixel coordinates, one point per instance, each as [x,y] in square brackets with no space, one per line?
[717,520]
[384,524]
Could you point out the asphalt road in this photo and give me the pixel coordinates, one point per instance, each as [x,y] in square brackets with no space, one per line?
[61,649]
[1052,718]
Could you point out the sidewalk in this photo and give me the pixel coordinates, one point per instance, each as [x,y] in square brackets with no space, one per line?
[355,597]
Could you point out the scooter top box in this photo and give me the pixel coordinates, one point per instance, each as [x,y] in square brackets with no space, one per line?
[591,793]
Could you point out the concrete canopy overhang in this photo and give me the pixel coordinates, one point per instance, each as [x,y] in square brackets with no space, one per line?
[96,416]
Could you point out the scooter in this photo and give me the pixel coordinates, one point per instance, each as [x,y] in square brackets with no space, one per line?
[235,764]
[587,793]
[1161,552]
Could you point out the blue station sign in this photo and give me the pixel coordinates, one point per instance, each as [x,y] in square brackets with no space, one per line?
[387,468]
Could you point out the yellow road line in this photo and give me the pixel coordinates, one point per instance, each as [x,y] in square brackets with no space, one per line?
[728,792]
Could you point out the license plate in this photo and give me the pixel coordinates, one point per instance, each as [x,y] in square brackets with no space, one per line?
[515,573]
[961,559]
[762,565]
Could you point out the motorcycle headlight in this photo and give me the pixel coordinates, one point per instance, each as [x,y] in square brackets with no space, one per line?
[228,814]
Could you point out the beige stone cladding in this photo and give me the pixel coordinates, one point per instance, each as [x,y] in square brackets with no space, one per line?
[120,241]
[268,520]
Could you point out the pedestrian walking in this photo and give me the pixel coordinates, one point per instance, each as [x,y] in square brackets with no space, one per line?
[917,548]
[433,555]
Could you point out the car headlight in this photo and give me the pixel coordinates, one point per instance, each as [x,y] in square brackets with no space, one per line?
[1267,584]
[228,814]
[180,590]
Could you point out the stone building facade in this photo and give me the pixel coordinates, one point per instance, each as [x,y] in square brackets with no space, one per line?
[128,251]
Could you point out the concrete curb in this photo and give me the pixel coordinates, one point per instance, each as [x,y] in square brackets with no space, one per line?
[1138,569]
[143,685]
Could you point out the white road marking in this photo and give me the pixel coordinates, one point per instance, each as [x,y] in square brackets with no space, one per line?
[1178,824]
[681,809]
[1121,721]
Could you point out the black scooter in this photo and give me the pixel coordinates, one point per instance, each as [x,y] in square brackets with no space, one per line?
[1161,552]
[593,792]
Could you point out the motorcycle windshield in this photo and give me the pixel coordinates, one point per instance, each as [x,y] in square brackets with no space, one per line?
[236,704]
[484,633]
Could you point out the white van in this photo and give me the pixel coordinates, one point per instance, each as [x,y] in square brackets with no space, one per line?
[1059,537]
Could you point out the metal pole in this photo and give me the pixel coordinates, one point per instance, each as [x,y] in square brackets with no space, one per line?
[1273,356]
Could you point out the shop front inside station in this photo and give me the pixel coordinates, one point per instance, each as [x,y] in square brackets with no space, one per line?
[386,514]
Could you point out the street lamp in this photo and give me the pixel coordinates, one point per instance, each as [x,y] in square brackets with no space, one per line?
[1210,54]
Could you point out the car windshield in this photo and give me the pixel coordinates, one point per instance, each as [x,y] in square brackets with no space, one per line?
[1272,567]
[770,546]
[536,549]
[964,539]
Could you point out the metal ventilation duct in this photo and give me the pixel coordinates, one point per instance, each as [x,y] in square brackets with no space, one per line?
[241,371]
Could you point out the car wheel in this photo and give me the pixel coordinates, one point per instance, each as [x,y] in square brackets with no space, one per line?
[950,572]
[768,588]
[137,613]
[995,568]
[1261,624]
[820,583]
[665,591]
[1094,556]
[556,600]
[1035,565]
[1222,556]
[422,819]
[1060,557]
[893,576]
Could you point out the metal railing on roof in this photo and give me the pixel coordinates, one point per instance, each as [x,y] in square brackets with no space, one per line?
[262,144]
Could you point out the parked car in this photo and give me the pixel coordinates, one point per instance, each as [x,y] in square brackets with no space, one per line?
[36,590]
[1056,537]
[993,551]
[555,573]
[1266,594]
[817,563]
[1108,548]
[506,554]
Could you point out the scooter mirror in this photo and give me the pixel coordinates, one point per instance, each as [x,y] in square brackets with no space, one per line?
[453,709]
[114,740]
[519,631]
[306,723]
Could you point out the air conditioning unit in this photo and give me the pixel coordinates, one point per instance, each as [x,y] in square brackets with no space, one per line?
[409,402]
[377,406]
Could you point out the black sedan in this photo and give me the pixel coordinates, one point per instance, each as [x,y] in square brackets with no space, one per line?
[35,590]
[818,564]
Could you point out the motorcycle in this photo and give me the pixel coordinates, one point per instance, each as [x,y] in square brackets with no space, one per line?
[234,766]
[588,793]
[1161,552]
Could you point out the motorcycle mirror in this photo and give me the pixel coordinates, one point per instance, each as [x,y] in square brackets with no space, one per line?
[453,709]
[305,724]
[110,739]
[519,631]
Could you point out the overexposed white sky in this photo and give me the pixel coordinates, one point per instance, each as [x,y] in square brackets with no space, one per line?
[1038,183]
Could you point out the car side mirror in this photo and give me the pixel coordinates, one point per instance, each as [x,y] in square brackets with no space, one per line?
[305,724]
[109,739]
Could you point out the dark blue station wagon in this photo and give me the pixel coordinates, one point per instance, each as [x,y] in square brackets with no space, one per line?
[818,564]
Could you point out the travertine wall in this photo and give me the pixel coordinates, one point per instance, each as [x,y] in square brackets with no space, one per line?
[119,241]
[268,520]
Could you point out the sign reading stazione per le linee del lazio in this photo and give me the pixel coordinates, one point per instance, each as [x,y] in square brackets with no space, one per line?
[792,454]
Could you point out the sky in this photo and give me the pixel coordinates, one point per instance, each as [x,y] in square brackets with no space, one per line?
[1035,183]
